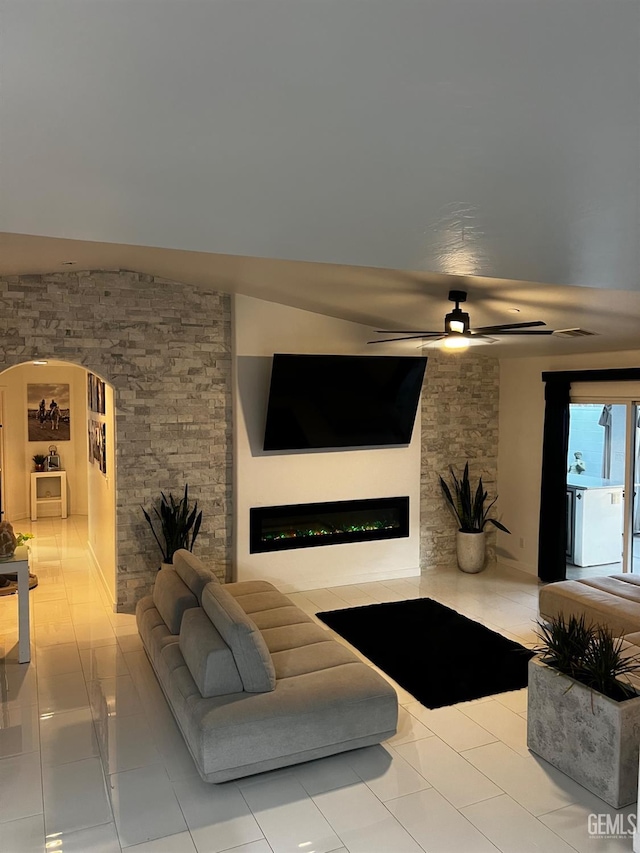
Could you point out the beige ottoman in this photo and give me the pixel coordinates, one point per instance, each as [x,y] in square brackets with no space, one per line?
[613,601]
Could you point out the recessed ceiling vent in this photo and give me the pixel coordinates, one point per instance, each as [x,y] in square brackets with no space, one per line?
[573,333]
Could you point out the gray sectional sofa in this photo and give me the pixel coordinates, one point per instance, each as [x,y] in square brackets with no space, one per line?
[254,682]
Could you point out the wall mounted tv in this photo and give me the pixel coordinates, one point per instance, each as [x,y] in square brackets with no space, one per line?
[334,401]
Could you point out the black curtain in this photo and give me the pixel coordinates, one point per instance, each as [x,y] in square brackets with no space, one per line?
[552,536]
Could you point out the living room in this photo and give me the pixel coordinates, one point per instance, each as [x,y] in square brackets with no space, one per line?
[107,652]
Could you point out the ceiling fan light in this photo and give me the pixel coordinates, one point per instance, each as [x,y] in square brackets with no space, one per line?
[455,341]
[456,326]
[458,342]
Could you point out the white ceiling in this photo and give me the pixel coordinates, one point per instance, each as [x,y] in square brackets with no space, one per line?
[489,145]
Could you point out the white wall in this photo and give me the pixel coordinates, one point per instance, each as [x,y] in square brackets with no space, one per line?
[19,450]
[262,328]
[520,445]
[101,502]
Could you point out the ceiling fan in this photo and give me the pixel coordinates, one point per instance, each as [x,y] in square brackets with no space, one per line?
[457,334]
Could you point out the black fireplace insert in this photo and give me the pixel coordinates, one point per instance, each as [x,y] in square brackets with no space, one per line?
[280,528]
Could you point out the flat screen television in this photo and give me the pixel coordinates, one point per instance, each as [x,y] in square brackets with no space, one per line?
[333,401]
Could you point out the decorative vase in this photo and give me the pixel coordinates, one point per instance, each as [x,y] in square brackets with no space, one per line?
[470,551]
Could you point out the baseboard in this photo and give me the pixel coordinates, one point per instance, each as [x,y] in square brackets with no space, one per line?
[98,568]
[320,581]
[519,565]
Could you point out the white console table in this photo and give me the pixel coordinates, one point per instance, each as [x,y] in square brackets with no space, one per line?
[19,564]
[48,487]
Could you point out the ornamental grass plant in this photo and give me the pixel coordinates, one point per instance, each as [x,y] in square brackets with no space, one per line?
[589,654]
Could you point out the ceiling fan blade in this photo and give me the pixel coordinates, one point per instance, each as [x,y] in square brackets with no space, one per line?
[408,338]
[522,332]
[440,337]
[405,332]
[502,326]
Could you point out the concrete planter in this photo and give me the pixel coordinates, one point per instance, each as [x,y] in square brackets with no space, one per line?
[470,551]
[591,738]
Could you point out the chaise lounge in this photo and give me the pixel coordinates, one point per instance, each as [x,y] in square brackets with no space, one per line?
[253,682]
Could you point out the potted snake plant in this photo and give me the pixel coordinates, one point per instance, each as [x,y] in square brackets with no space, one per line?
[471,511]
[179,522]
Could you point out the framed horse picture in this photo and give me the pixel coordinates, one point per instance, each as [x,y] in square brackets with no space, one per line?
[48,412]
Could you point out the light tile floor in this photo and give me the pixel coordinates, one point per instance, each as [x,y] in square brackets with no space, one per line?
[91,760]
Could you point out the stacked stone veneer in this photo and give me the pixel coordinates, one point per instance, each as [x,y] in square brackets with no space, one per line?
[459,423]
[165,349]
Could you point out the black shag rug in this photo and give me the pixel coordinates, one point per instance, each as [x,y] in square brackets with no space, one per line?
[436,654]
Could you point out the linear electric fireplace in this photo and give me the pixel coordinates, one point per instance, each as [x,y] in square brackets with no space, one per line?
[280,528]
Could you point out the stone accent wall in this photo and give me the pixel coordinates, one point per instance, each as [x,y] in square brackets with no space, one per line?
[459,423]
[165,349]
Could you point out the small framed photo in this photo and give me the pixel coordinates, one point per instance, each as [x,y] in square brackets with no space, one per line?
[100,401]
[103,448]
[52,462]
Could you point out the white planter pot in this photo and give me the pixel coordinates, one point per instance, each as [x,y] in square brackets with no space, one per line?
[470,551]
[591,738]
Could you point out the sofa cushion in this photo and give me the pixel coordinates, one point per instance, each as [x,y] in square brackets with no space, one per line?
[258,602]
[209,658]
[193,572]
[620,585]
[305,659]
[293,636]
[241,634]
[633,639]
[171,598]
[280,616]
[236,588]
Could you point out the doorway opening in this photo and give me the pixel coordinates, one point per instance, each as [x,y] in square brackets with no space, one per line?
[58,437]
[603,527]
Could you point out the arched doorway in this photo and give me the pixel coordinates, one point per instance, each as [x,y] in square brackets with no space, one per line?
[48,411]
